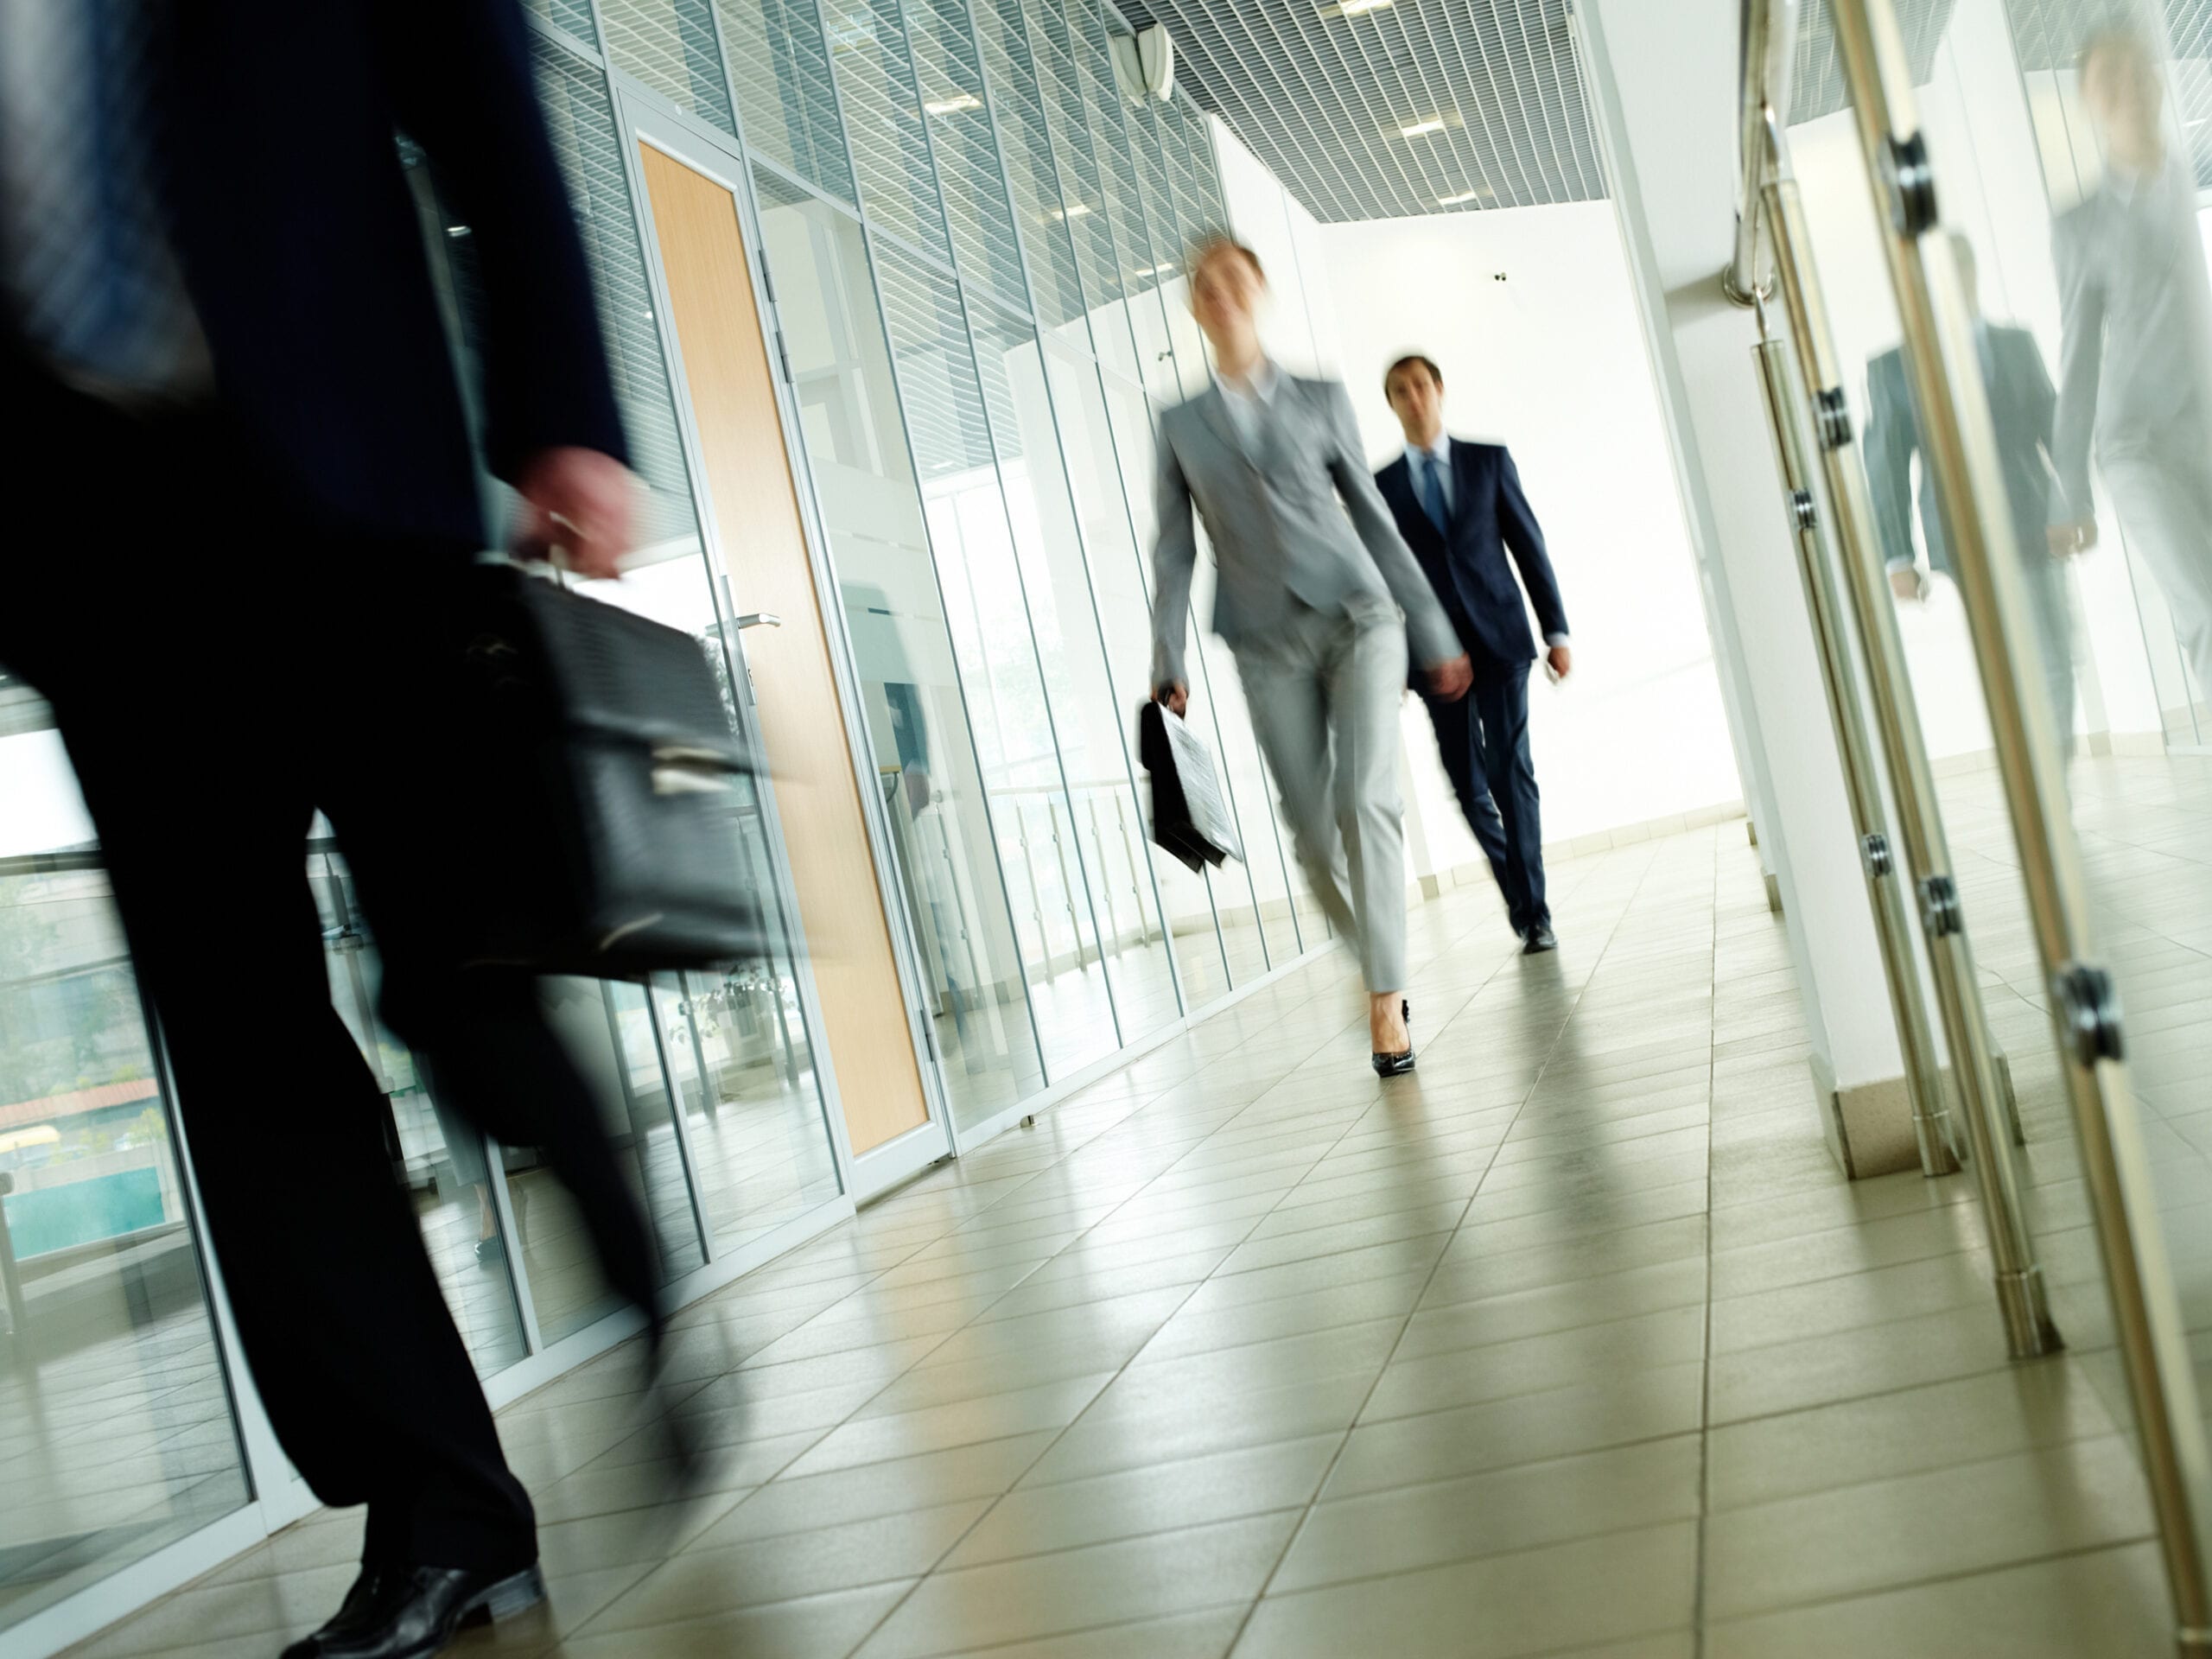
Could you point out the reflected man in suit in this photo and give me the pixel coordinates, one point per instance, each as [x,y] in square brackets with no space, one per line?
[2136,367]
[2021,405]
[1461,509]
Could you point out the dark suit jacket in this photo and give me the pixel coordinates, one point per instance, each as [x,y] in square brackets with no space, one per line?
[1467,567]
[2021,405]
[301,246]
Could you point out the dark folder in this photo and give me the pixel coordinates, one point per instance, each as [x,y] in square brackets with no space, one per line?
[1190,814]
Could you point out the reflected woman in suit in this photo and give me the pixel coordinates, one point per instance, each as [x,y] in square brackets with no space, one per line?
[1319,598]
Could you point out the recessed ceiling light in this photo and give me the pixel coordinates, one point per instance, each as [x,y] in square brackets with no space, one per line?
[1356,7]
[1073,210]
[1421,129]
[1153,270]
[954,104]
[1464,195]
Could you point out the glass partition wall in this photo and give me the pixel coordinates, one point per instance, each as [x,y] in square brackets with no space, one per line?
[973,239]
[2006,205]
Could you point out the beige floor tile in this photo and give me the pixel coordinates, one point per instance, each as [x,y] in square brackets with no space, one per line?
[1082,1589]
[1439,1446]
[1034,1519]
[1185,1635]
[2054,1500]
[1585,1354]
[822,1627]
[1536,1503]
[940,1428]
[868,1491]
[1909,1432]
[1538,1601]
[708,1581]
[2104,1604]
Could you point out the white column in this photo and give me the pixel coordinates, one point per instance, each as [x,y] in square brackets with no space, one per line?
[1664,85]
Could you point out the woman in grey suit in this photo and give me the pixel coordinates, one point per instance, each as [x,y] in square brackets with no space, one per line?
[1317,598]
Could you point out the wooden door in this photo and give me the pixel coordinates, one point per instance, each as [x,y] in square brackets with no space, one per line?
[849,936]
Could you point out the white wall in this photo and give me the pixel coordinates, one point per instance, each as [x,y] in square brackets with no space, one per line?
[1552,362]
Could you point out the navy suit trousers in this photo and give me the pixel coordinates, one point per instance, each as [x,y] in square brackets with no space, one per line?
[1482,739]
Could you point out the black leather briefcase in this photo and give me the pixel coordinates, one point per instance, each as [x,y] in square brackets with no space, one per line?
[602,789]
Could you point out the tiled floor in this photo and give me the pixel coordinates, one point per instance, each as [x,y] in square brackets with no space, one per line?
[1576,1343]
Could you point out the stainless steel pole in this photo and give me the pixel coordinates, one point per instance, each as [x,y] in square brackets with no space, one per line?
[1862,783]
[1942,356]
[2021,1293]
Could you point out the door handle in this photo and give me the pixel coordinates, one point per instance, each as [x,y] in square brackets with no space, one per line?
[759,619]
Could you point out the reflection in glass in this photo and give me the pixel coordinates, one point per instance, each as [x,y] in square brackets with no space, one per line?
[780,61]
[912,707]
[116,1435]
[670,45]
[441,1162]
[1105,816]
[957,104]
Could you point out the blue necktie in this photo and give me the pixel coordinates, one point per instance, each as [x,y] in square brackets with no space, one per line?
[1432,491]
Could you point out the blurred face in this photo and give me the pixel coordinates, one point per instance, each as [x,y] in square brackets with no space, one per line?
[2121,87]
[1418,402]
[1226,292]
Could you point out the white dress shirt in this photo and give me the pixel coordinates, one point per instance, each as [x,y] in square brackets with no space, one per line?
[1417,459]
[1249,403]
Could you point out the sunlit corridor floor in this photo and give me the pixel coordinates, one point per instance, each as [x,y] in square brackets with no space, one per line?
[1574,1343]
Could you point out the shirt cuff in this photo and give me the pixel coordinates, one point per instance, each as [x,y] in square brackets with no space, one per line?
[1557,639]
[1903,564]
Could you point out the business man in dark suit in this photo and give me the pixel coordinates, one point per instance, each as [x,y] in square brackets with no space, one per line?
[2022,406]
[1460,508]
[244,506]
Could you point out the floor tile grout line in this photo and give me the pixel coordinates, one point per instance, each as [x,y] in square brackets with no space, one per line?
[1705,1385]
[1874,1592]
[1350,1428]
[1258,1221]
[1061,1434]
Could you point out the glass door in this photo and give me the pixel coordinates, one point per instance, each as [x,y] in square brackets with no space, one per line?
[870,771]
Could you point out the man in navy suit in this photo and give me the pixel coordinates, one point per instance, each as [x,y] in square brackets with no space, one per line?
[1460,508]
[249,505]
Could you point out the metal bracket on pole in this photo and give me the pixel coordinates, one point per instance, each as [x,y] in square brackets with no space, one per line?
[2088,1011]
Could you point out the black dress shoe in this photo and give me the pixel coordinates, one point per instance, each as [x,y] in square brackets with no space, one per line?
[1540,938]
[1396,1065]
[411,1613]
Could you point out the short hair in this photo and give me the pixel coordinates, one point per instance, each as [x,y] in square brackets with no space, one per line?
[2119,33]
[1407,362]
[1213,245]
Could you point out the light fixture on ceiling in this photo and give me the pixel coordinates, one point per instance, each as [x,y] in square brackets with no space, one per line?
[1355,8]
[1463,196]
[958,104]
[1423,128]
[1073,210]
[1153,270]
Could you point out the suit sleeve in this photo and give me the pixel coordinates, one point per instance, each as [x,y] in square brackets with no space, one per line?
[1516,523]
[471,102]
[1891,440]
[2080,360]
[1174,554]
[1429,633]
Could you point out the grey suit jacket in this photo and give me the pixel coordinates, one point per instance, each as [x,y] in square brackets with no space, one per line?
[1279,532]
[2138,347]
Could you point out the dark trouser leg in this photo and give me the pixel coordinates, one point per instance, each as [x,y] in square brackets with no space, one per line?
[195,723]
[344,1326]
[1458,745]
[1502,707]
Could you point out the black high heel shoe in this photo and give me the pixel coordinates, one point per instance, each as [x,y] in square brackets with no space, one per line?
[1396,1065]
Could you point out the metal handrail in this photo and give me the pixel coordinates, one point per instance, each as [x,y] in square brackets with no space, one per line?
[1770,39]
[1923,1076]
[1982,1082]
[1943,359]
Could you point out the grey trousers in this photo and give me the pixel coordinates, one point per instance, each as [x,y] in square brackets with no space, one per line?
[1324,682]
[2163,490]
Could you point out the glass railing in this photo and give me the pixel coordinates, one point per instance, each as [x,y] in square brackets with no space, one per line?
[1979,248]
